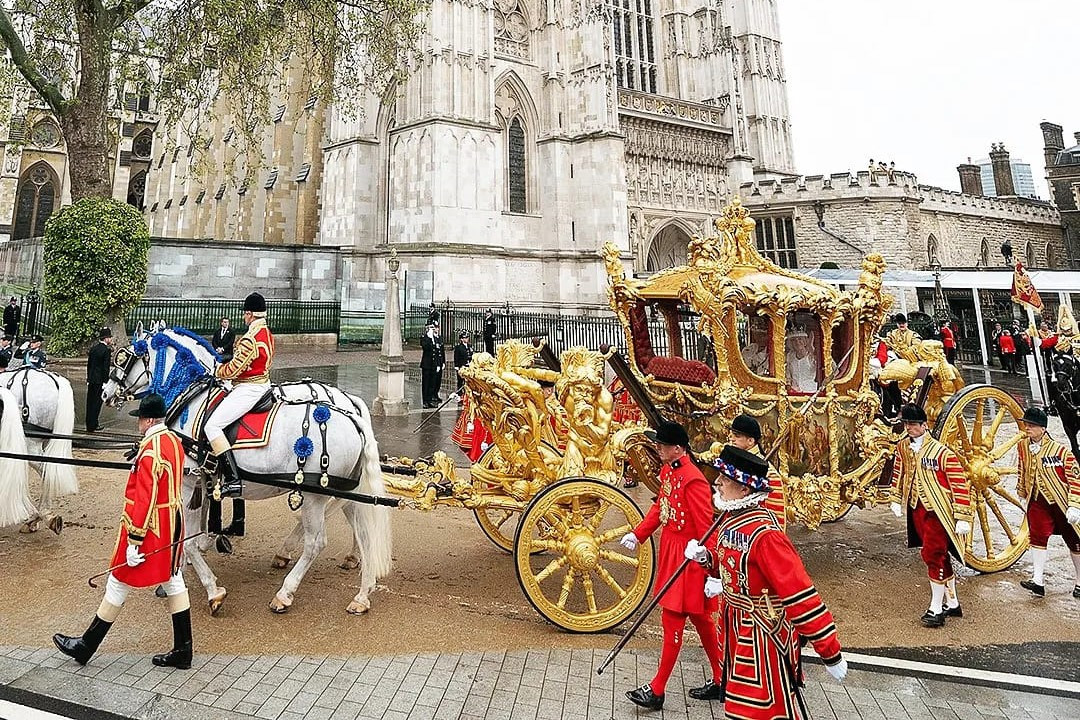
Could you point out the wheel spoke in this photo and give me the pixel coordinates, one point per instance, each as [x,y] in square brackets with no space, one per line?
[575,510]
[1001,519]
[985,525]
[996,425]
[617,557]
[1005,471]
[536,544]
[552,567]
[1007,495]
[601,511]
[590,595]
[999,452]
[611,582]
[567,585]
[977,426]
[962,435]
[612,534]
[498,522]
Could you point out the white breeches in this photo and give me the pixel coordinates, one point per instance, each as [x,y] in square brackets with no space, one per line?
[240,399]
[116,592]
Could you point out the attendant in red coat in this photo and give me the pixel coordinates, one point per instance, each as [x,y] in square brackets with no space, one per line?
[147,553]
[948,341]
[768,604]
[684,512]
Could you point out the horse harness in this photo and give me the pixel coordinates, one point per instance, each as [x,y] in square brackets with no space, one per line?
[24,382]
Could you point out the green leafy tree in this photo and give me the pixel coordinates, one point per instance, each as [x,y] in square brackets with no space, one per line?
[78,56]
[95,268]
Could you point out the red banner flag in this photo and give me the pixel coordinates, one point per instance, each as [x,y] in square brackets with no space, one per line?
[1023,290]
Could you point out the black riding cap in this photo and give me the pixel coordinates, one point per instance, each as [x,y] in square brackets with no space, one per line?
[748,426]
[900,318]
[255,303]
[669,433]
[1036,416]
[151,406]
[912,414]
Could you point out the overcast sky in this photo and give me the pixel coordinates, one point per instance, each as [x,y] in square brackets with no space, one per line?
[928,83]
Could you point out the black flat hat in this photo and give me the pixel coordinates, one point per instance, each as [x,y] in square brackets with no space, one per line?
[913,414]
[1036,416]
[748,426]
[900,318]
[743,467]
[669,433]
[151,406]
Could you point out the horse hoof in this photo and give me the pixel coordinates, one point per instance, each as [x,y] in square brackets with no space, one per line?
[279,606]
[31,526]
[351,562]
[280,562]
[358,608]
[216,602]
[56,524]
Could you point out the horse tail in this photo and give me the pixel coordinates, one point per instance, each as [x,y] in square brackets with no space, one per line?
[15,505]
[375,519]
[60,480]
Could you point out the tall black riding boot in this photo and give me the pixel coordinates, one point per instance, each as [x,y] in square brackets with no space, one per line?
[180,655]
[236,525]
[83,648]
[231,485]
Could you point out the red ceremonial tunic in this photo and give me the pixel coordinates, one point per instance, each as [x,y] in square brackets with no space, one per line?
[684,510]
[948,340]
[768,604]
[1050,482]
[252,355]
[152,517]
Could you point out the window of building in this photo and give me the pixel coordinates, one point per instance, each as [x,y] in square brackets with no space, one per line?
[635,54]
[143,145]
[34,202]
[45,134]
[776,240]
[511,28]
[517,171]
[136,194]
[1051,257]
[1030,254]
[984,254]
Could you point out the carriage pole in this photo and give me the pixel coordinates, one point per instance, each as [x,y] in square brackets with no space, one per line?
[716,524]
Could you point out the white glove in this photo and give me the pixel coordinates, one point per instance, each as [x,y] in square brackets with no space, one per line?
[839,670]
[629,541]
[713,587]
[963,528]
[134,557]
[897,509]
[694,551]
[1073,516]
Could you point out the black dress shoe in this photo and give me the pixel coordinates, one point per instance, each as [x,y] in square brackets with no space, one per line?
[708,691]
[1036,589]
[954,611]
[1076,591]
[933,620]
[646,698]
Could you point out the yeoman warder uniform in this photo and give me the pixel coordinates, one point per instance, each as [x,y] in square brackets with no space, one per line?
[683,512]
[1049,486]
[152,522]
[768,604]
[928,480]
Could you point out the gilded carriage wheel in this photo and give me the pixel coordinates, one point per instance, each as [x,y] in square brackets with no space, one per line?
[981,424]
[498,524]
[642,462]
[586,581]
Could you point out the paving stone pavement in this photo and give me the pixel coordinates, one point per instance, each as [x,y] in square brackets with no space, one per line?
[522,685]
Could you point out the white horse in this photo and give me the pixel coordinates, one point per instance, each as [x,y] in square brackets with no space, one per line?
[47,406]
[319,434]
[15,505]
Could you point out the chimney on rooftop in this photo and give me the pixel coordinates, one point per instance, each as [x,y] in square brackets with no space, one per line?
[1003,178]
[970,178]
[1053,142]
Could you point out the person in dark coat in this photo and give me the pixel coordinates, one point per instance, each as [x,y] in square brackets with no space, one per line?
[6,351]
[462,356]
[223,340]
[11,318]
[32,354]
[433,315]
[490,331]
[431,365]
[97,374]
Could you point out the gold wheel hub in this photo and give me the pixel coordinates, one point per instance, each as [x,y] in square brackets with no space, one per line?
[582,551]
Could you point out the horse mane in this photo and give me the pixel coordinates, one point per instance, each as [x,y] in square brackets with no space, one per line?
[186,368]
[199,339]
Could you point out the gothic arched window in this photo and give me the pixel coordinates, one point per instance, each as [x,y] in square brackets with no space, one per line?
[984,253]
[34,202]
[635,53]
[511,28]
[1030,259]
[516,168]
[136,193]
[1051,257]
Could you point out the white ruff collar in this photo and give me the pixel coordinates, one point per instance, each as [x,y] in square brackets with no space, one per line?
[749,501]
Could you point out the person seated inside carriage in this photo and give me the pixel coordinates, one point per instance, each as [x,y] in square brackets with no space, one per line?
[755,353]
[802,362]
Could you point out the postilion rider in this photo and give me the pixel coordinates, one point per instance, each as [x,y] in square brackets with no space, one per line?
[148,551]
[249,371]
[683,512]
[929,481]
[1049,488]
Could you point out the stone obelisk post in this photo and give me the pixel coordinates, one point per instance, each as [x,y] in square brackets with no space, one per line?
[391,399]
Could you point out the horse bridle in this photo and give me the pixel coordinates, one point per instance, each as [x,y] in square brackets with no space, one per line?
[122,365]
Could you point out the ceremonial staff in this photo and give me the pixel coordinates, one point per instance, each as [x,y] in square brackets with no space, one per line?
[716,524]
[152,552]
[435,412]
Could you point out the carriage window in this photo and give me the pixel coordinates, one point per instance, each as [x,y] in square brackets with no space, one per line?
[754,341]
[843,337]
[803,352]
